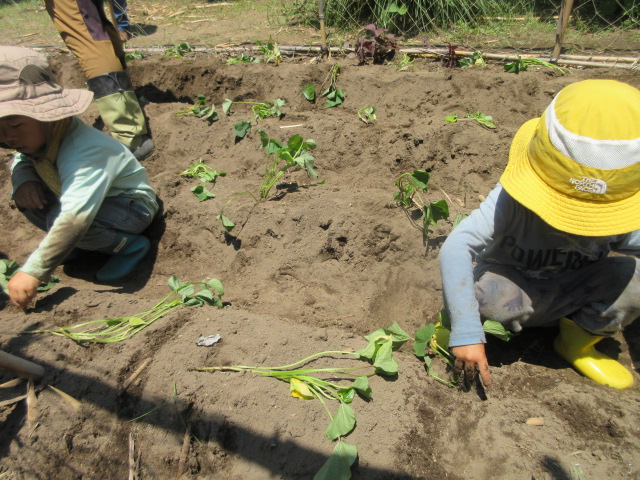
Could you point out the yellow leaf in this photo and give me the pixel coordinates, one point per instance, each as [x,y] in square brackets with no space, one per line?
[299,389]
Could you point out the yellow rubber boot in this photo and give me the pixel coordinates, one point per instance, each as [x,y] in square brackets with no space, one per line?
[576,346]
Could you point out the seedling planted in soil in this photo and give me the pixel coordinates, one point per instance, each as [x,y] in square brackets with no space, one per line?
[294,154]
[111,330]
[244,58]
[333,95]
[271,51]
[179,50]
[433,339]
[367,114]
[411,186]
[311,383]
[270,108]
[404,64]
[200,109]
[309,92]
[522,64]
[206,174]
[484,120]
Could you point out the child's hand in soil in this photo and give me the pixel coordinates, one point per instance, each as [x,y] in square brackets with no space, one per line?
[23,288]
[471,360]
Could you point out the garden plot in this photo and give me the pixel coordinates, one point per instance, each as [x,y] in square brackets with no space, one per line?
[319,256]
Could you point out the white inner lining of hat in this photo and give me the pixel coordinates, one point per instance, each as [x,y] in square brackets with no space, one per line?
[601,154]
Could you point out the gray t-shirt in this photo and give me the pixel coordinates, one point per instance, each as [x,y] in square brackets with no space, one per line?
[503,232]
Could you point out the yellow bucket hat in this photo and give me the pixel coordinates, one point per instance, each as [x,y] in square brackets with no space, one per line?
[578,166]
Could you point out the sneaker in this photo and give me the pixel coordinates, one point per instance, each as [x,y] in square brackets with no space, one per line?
[145,148]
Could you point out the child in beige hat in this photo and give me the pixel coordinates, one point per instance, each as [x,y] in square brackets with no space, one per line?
[536,251]
[84,188]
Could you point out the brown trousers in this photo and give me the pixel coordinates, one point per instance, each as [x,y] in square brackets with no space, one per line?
[91,37]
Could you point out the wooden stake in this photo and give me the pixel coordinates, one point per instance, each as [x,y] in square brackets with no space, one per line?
[563,21]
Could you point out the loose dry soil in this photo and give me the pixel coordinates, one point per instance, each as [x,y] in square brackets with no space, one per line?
[313,268]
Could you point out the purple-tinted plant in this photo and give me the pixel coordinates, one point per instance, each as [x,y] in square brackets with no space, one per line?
[381,47]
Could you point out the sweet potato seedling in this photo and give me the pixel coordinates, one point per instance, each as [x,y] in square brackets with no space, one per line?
[484,120]
[200,109]
[405,63]
[179,50]
[332,94]
[322,384]
[111,330]
[367,114]
[270,108]
[309,92]
[244,58]
[293,154]
[202,171]
[475,60]
[206,174]
[411,187]
[522,64]
[433,340]
[271,51]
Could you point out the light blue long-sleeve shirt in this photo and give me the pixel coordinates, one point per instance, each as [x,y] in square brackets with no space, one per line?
[503,232]
[92,166]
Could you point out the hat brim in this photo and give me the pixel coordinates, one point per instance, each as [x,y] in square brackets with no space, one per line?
[51,107]
[561,211]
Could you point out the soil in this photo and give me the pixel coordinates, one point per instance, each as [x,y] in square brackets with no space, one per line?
[315,267]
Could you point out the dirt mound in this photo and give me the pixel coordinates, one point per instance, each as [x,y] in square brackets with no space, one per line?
[315,267]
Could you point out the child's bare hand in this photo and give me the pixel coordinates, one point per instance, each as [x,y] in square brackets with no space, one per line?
[23,288]
[30,195]
[472,359]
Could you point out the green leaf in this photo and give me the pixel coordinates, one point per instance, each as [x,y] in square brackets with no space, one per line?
[400,10]
[420,179]
[202,193]
[338,465]
[367,352]
[347,394]
[136,321]
[342,423]
[309,92]
[422,339]
[399,335]
[384,362]
[226,222]
[361,385]
[451,118]
[435,212]
[226,105]
[241,128]
[215,284]
[444,320]
[497,329]
[174,283]
[334,98]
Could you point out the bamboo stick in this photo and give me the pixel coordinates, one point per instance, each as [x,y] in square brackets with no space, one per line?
[20,366]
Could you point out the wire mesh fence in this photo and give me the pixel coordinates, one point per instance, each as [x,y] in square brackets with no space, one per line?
[595,26]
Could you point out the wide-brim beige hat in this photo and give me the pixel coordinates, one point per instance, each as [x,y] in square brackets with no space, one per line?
[27,88]
[578,166]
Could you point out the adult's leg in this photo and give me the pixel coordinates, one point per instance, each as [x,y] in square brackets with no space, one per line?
[96,43]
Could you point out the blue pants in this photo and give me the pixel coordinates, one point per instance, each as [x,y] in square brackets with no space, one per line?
[116,216]
[602,298]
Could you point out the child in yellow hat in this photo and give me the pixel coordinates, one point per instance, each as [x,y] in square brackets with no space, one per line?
[536,251]
[84,188]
